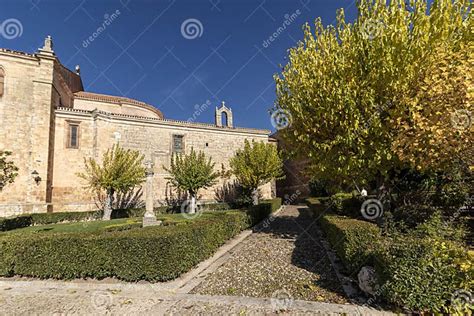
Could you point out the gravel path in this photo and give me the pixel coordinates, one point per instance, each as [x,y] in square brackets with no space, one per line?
[282,259]
[50,297]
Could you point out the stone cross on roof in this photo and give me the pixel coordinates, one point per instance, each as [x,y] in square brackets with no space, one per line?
[47,48]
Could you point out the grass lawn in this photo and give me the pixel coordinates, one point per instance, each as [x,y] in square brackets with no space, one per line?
[114,224]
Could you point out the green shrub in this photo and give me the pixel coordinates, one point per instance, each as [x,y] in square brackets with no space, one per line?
[318,187]
[317,206]
[9,223]
[346,204]
[51,218]
[353,240]
[25,220]
[422,269]
[274,203]
[157,253]
[422,274]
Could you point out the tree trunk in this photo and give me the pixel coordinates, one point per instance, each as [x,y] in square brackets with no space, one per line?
[192,204]
[255,196]
[108,205]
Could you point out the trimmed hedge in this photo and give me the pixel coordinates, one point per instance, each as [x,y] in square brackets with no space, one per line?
[423,274]
[9,223]
[353,240]
[25,220]
[318,206]
[340,203]
[419,271]
[158,253]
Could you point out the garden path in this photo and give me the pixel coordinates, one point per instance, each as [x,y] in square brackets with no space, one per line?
[281,268]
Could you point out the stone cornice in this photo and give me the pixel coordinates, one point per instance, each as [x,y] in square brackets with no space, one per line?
[16,54]
[83,95]
[158,121]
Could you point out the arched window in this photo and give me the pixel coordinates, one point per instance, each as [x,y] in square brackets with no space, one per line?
[2,81]
[225,119]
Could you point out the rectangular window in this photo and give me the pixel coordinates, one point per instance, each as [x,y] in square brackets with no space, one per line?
[73,135]
[178,144]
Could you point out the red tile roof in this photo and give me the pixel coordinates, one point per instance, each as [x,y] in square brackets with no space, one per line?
[115,99]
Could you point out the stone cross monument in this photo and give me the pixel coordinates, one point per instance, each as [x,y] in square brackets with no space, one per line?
[149,219]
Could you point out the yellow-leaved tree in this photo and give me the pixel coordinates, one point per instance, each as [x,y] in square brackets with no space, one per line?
[381,92]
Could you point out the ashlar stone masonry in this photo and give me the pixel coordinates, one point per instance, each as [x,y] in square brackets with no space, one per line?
[51,124]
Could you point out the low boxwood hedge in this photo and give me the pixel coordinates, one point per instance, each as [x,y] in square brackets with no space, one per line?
[317,206]
[156,253]
[25,220]
[420,272]
[340,203]
[353,240]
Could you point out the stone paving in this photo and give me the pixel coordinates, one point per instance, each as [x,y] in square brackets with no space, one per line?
[282,258]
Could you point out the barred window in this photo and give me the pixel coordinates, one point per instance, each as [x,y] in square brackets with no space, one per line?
[72,135]
[178,143]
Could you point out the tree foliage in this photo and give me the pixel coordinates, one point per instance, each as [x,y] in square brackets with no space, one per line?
[191,172]
[8,170]
[121,170]
[381,91]
[256,164]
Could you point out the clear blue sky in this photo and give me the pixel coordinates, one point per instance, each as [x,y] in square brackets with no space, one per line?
[143,54]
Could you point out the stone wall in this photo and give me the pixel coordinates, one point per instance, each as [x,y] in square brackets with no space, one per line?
[40,99]
[99,131]
[25,120]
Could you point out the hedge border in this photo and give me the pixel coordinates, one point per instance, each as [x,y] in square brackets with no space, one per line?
[25,220]
[158,253]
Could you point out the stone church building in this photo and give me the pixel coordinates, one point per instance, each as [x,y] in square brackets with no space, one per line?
[50,124]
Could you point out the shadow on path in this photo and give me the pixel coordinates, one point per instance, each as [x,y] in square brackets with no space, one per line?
[297,224]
